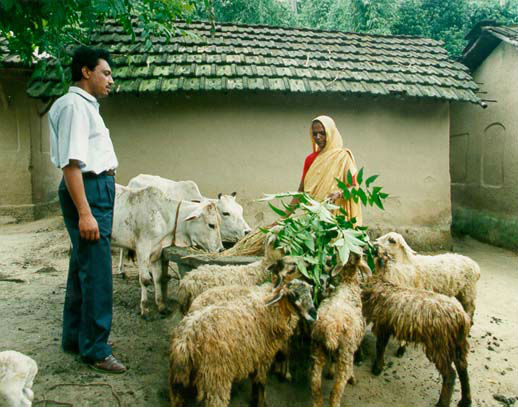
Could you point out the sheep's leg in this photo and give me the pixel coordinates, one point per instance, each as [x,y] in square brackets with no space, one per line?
[401,349]
[381,343]
[175,394]
[461,365]
[358,354]
[258,398]
[344,371]
[319,361]
[220,399]
[448,381]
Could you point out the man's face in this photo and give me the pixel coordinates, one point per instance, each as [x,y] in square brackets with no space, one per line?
[100,79]
[319,134]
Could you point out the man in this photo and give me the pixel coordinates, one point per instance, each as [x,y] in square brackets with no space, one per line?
[82,148]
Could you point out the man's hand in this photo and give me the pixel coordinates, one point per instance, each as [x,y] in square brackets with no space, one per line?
[88,228]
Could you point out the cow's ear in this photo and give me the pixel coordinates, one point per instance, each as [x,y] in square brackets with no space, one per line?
[234,194]
[193,215]
[219,196]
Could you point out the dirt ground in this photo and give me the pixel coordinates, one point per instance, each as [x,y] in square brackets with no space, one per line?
[33,265]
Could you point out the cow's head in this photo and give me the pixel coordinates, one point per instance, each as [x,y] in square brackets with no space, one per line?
[202,227]
[233,225]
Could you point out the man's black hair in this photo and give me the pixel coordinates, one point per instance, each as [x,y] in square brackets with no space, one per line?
[89,57]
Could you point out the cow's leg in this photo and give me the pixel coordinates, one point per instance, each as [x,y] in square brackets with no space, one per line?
[120,268]
[164,264]
[144,279]
[157,273]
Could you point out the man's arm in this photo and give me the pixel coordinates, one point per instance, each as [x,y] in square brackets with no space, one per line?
[88,228]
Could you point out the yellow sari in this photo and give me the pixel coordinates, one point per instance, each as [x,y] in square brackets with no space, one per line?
[334,161]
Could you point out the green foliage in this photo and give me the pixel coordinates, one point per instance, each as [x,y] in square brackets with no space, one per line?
[53,27]
[320,235]
[266,12]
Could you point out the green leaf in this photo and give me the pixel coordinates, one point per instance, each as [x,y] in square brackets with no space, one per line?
[359,176]
[370,180]
[277,211]
[264,230]
[302,268]
[363,196]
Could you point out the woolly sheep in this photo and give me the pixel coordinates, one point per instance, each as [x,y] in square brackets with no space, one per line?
[207,276]
[17,372]
[436,321]
[219,344]
[337,332]
[450,274]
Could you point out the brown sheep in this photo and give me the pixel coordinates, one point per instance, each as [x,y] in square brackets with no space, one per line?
[436,321]
[217,345]
[337,332]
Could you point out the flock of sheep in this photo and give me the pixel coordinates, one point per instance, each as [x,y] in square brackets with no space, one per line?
[235,324]
[239,321]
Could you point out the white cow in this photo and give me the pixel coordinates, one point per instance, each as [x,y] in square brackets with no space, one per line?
[147,220]
[233,225]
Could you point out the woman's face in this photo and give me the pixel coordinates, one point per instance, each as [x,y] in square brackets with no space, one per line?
[319,134]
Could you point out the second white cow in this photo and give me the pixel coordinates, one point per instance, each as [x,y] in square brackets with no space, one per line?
[233,225]
[147,220]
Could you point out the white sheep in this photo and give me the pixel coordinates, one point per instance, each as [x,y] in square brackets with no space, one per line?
[219,344]
[17,372]
[450,274]
[337,334]
[208,276]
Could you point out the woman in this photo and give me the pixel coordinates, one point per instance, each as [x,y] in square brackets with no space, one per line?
[329,161]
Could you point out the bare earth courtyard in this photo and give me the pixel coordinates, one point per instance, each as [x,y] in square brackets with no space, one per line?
[33,265]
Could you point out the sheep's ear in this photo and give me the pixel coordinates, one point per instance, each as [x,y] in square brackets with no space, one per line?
[276,267]
[219,196]
[392,240]
[234,194]
[275,299]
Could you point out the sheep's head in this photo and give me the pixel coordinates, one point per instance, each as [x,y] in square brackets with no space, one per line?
[298,293]
[394,245]
[355,268]
[284,270]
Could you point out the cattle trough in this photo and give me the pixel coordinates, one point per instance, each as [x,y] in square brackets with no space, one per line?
[188,260]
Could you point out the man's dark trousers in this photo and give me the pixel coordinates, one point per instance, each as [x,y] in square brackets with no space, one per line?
[87,315]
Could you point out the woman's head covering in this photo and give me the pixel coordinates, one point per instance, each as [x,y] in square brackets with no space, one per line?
[333,137]
[333,162]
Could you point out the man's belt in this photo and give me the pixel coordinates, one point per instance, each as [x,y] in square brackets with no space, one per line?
[90,174]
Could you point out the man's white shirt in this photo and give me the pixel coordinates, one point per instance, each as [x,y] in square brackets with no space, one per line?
[78,132]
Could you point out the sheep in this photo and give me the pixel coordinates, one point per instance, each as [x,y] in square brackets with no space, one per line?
[436,321]
[219,344]
[17,372]
[338,332]
[450,274]
[207,276]
[222,294]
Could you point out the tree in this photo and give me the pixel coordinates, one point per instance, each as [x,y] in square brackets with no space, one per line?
[266,12]
[49,26]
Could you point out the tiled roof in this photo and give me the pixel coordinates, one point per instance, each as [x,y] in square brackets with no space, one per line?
[6,58]
[484,38]
[263,58]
